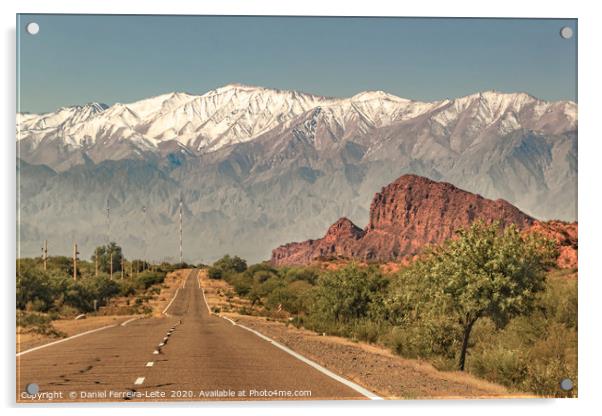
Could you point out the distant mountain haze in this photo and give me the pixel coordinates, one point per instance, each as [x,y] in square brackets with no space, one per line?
[260,167]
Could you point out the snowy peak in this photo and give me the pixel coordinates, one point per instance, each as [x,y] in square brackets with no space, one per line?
[236,113]
[378,95]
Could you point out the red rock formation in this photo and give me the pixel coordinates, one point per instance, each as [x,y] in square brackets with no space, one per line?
[338,242]
[404,217]
[565,235]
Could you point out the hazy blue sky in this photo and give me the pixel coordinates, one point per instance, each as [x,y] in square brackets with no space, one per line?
[76,59]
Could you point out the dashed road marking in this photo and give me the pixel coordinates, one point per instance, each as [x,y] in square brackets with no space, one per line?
[139,381]
[150,363]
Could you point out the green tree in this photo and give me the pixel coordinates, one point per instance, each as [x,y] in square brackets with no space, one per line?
[230,264]
[215,273]
[348,293]
[484,272]
[33,288]
[104,257]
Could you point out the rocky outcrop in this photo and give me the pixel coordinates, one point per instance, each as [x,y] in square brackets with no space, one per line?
[406,215]
[565,236]
[339,241]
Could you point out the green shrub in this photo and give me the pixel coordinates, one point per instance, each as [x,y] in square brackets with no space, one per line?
[215,273]
[230,264]
[38,323]
[349,293]
[34,289]
[242,284]
[147,279]
[292,297]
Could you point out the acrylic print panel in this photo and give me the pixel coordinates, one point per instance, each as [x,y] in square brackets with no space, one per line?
[295,208]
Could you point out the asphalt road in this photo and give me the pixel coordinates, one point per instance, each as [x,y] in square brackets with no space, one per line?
[204,357]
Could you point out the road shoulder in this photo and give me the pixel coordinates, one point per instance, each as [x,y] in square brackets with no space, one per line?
[373,367]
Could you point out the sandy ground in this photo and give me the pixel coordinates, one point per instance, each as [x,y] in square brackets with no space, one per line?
[376,368]
[26,340]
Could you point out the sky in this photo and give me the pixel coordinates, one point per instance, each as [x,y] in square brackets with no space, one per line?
[76,59]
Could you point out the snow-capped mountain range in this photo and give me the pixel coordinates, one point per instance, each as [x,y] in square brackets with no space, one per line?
[238,113]
[292,162]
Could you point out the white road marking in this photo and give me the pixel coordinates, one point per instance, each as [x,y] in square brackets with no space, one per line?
[64,339]
[176,294]
[351,384]
[204,298]
[169,304]
[162,344]
[130,320]
[229,320]
[150,363]
[155,352]
[139,381]
[365,392]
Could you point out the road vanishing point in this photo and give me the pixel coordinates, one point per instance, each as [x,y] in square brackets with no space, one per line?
[188,354]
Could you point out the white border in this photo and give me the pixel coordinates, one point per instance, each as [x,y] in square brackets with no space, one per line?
[590,199]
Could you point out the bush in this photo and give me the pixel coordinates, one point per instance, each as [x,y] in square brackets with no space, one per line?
[147,278]
[242,284]
[231,264]
[348,294]
[38,323]
[34,289]
[215,273]
[293,297]
[307,274]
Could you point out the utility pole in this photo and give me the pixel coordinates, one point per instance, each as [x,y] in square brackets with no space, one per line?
[96,263]
[108,222]
[122,267]
[111,265]
[45,254]
[144,228]
[181,230]
[75,253]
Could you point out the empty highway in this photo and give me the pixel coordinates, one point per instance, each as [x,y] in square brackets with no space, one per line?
[188,354]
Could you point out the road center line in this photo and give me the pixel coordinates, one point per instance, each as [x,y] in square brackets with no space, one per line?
[150,363]
[139,381]
[65,339]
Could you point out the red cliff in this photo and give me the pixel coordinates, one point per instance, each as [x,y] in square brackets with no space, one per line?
[410,213]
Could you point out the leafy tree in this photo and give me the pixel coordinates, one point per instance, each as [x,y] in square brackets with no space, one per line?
[348,293]
[230,264]
[484,272]
[33,287]
[104,257]
[215,273]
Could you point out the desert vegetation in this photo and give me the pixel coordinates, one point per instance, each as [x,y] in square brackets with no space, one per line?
[490,302]
[44,295]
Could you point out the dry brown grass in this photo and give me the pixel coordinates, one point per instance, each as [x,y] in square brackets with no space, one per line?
[69,327]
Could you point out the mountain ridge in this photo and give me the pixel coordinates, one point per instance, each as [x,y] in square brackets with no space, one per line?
[277,166]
